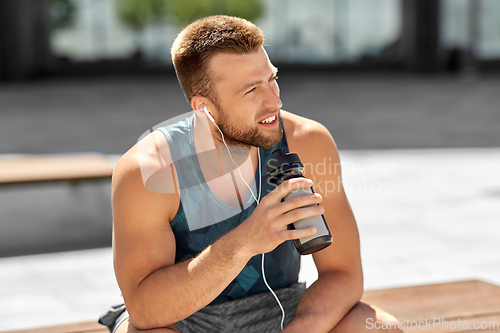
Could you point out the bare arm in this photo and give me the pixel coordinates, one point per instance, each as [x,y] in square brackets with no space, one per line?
[157,291]
[340,282]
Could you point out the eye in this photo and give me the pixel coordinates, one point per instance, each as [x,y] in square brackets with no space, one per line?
[250,90]
[274,78]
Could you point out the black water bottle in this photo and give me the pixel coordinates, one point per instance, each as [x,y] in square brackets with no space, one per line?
[286,166]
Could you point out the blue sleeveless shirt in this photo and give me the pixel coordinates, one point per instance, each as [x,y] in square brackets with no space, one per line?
[281,265]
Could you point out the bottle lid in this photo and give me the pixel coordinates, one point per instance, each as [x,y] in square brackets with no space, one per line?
[281,163]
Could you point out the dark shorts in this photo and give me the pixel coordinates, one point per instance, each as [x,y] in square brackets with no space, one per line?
[257,313]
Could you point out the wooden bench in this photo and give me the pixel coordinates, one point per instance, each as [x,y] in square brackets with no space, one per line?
[56,188]
[468,301]
[73,168]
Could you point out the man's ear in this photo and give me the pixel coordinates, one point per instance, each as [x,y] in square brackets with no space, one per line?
[198,102]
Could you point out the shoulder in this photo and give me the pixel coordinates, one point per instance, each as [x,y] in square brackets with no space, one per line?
[145,173]
[148,156]
[127,170]
[307,137]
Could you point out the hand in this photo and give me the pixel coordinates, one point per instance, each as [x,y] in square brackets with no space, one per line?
[267,228]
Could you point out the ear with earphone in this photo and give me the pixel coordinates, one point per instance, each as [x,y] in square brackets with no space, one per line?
[208,114]
[257,200]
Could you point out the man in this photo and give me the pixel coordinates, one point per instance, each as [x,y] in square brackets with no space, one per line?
[178,278]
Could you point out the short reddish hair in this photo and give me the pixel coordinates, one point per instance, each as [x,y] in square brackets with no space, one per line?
[198,42]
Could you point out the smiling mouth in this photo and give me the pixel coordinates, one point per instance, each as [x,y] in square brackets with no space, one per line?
[268,120]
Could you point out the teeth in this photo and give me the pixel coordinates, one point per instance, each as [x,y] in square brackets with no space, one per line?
[268,120]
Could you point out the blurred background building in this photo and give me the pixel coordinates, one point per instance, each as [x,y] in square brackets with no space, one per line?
[47,37]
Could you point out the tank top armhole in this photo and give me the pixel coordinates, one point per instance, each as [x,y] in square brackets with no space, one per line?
[174,156]
[284,143]
[167,136]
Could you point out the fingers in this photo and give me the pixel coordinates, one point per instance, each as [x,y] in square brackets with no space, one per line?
[296,215]
[286,187]
[300,205]
[300,201]
[270,219]
[298,233]
[300,214]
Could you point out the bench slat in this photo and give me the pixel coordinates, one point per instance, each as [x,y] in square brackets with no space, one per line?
[14,170]
[465,324]
[464,300]
[84,327]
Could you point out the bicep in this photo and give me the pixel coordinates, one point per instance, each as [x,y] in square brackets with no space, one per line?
[344,253]
[143,241]
[322,165]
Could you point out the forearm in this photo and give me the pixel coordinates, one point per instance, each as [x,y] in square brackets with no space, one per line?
[175,292]
[326,302]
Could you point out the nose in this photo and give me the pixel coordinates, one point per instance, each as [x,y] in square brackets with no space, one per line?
[272,100]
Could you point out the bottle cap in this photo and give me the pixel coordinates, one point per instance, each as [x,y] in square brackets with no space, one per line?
[282,163]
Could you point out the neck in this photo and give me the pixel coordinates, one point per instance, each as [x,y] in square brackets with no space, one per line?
[208,138]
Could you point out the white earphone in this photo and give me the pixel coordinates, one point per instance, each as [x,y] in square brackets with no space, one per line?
[257,200]
[208,114]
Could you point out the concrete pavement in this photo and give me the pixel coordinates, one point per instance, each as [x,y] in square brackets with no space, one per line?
[361,110]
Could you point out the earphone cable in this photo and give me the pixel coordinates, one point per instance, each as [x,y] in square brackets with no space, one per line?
[258,201]
[239,171]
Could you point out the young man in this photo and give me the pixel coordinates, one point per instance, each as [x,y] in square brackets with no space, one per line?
[176,278]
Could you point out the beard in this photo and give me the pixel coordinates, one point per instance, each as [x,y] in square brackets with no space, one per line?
[250,137]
